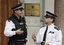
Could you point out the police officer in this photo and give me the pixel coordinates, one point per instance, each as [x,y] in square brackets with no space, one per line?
[15,27]
[49,34]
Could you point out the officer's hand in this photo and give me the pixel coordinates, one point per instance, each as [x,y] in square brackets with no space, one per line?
[34,37]
[19,31]
[46,43]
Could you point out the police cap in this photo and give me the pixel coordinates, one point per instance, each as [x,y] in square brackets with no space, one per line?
[49,14]
[17,7]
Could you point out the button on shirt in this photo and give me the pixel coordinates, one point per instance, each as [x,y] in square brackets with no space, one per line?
[53,36]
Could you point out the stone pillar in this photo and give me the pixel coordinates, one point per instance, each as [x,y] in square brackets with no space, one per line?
[59,11]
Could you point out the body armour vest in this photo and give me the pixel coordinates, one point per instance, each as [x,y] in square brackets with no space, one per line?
[19,23]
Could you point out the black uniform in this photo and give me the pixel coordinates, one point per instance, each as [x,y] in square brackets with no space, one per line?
[19,23]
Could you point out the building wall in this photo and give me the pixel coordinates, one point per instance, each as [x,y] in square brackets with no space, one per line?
[59,11]
[32,1]
[49,5]
[35,23]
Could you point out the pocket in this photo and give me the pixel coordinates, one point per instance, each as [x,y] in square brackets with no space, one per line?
[51,35]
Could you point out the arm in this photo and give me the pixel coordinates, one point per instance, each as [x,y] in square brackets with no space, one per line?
[8,29]
[34,37]
[37,39]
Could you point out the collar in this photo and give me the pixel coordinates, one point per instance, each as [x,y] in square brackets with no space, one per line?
[50,26]
[15,17]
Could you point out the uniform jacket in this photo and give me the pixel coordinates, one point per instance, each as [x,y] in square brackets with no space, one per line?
[12,24]
[53,36]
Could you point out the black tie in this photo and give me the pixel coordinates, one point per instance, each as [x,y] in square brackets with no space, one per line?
[44,37]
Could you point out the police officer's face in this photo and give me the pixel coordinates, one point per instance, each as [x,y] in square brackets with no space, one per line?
[19,12]
[48,20]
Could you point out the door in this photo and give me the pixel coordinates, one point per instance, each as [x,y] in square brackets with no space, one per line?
[5,12]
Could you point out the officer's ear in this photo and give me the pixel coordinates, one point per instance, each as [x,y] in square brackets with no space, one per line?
[52,19]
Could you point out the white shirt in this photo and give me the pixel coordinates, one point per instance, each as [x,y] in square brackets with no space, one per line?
[54,38]
[8,29]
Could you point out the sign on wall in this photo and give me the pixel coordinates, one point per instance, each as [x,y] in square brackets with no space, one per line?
[32,9]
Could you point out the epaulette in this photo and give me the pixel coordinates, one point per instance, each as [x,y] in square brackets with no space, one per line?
[56,28]
[9,20]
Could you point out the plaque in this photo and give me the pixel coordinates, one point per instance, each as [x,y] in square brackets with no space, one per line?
[32,9]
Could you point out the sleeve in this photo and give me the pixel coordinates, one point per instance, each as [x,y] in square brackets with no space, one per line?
[8,29]
[38,38]
[58,38]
